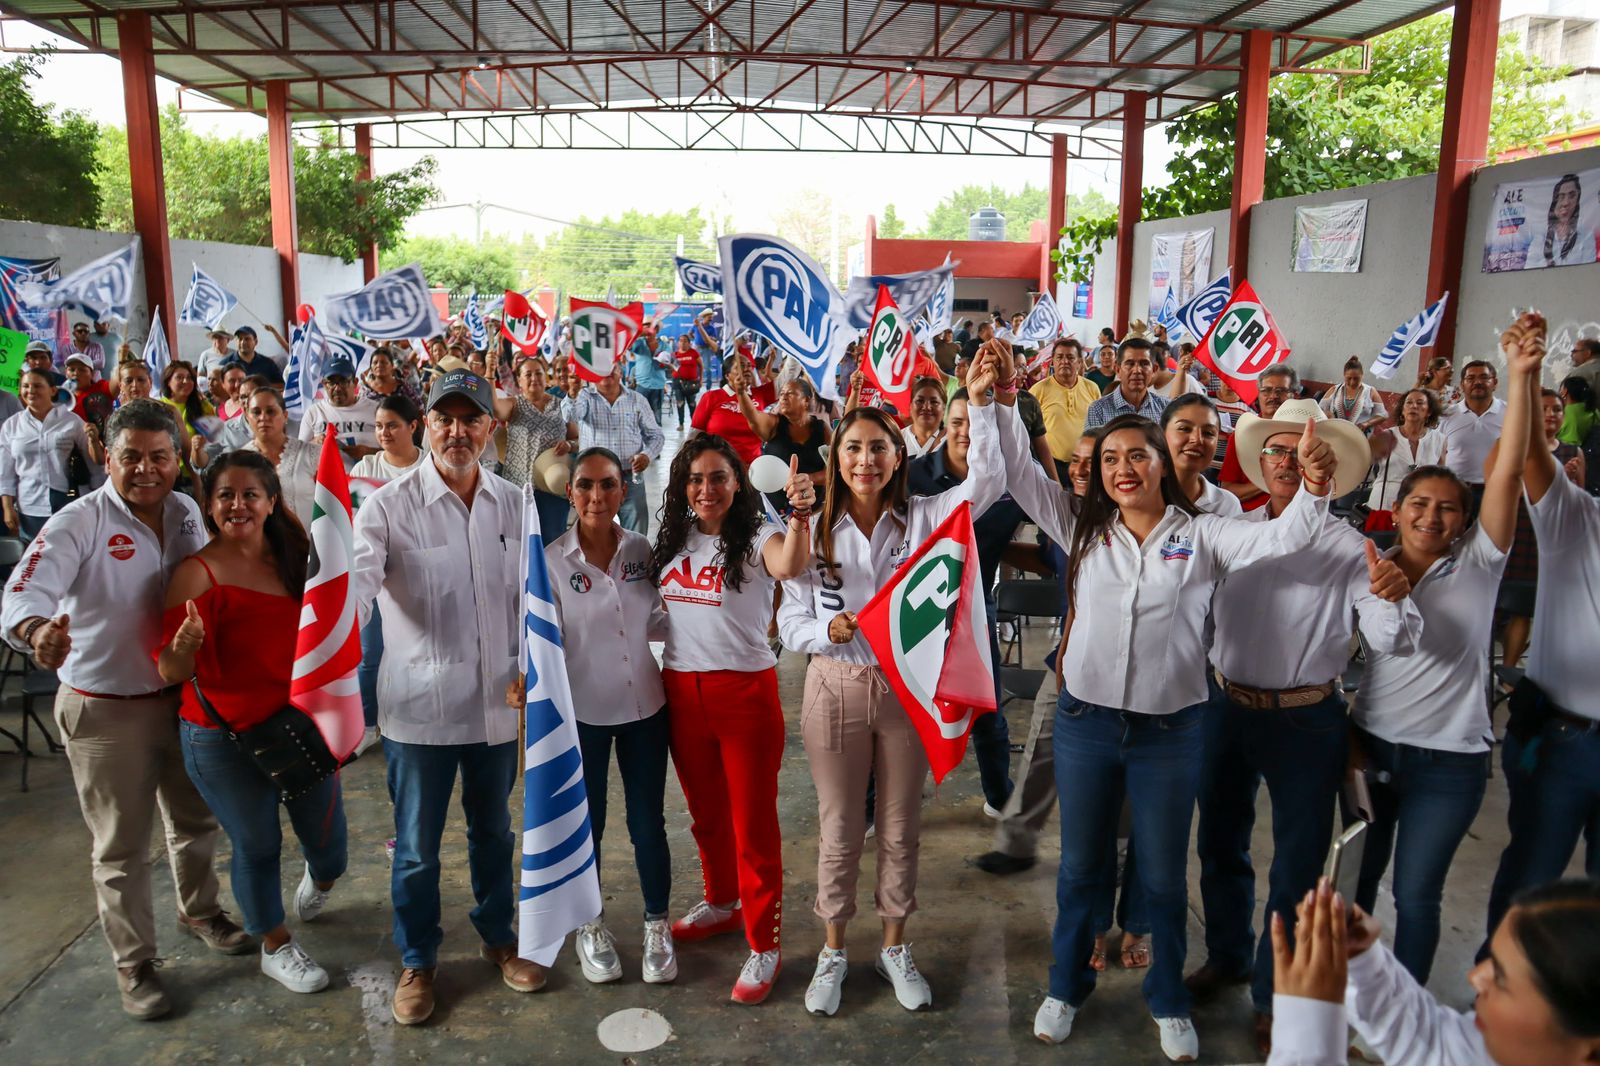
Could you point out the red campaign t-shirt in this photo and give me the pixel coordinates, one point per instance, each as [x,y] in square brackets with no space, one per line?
[688,368]
[718,412]
[1233,473]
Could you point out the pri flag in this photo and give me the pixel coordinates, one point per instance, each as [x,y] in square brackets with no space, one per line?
[524,323]
[472,316]
[560,885]
[1196,316]
[1243,342]
[928,628]
[601,335]
[698,277]
[391,307]
[891,353]
[1418,332]
[773,289]
[1043,322]
[101,288]
[328,649]
[157,354]
[207,303]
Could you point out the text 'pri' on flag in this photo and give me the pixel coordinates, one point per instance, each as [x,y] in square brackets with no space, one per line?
[327,652]
[929,630]
[1242,343]
[560,884]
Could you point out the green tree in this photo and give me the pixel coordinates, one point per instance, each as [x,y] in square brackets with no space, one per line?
[48,159]
[459,265]
[218,190]
[948,220]
[808,222]
[630,252]
[1339,131]
[891,226]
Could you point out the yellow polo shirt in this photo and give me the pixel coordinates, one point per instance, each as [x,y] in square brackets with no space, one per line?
[1064,412]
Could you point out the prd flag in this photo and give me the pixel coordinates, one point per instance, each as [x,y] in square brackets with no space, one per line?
[891,352]
[524,323]
[929,630]
[1243,341]
[601,335]
[328,649]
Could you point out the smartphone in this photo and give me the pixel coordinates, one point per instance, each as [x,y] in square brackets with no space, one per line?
[1343,868]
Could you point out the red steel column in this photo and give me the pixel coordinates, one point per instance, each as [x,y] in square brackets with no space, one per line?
[1130,204]
[1056,212]
[369,254]
[1469,93]
[1249,147]
[144,165]
[280,171]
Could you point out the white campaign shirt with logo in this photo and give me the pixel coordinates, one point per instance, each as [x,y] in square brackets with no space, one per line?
[354,426]
[33,456]
[1154,596]
[709,625]
[103,568]
[1437,697]
[1566,613]
[1219,501]
[608,619]
[1468,438]
[863,565]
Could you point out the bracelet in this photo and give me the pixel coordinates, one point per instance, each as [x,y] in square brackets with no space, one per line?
[1313,482]
[1008,387]
[33,627]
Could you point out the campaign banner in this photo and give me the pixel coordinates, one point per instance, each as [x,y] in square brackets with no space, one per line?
[775,290]
[207,303]
[913,293]
[698,277]
[1179,260]
[1544,223]
[393,306]
[1328,237]
[47,325]
[102,288]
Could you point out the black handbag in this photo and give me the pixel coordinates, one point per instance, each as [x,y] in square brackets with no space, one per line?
[288,748]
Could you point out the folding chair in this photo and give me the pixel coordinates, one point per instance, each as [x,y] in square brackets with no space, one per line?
[1019,600]
[37,684]
[1017,683]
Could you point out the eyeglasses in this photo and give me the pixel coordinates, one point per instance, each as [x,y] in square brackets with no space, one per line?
[1274,392]
[1277,453]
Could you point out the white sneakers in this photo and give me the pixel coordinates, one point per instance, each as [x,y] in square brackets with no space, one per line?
[757,976]
[822,995]
[597,953]
[1179,1041]
[308,898]
[660,963]
[896,966]
[706,919]
[1053,1022]
[293,968]
[369,737]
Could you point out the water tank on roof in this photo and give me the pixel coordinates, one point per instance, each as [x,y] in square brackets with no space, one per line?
[986,224]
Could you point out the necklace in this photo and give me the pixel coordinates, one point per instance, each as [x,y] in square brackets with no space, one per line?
[1349,404]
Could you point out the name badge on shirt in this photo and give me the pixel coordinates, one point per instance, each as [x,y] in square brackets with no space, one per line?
[636,571]
[1177,546]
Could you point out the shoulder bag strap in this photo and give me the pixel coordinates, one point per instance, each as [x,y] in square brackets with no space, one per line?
[211,712]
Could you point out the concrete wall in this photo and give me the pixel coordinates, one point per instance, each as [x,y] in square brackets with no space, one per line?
[1003,294]
[250,273]
[1139,302]
[1105,296]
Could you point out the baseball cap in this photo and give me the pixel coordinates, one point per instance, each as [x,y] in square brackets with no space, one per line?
[38,346]
[466,384]
[339,368]
[79,357]
[245,331]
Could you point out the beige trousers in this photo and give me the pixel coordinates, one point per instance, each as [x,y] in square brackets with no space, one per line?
[853,728]
[127,762]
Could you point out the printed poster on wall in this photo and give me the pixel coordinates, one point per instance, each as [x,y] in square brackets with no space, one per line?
[1328,237]
[1184,260]
[1544,223]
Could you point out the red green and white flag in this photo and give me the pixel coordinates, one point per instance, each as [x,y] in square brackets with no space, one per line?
[328,650]
[929,630]
[891,353]
[602,335]
[1243,342]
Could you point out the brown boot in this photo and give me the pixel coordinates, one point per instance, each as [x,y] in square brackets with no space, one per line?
[1209,980]
[142,994]
[1264,1035]
[413,996]
[219,933]
[520,975]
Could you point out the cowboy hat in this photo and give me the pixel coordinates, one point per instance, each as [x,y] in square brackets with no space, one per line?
[1350,446]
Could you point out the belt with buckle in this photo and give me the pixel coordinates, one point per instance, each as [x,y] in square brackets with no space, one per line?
[1272,699]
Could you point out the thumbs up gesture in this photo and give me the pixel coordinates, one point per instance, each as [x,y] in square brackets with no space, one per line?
[1317,461]
[800,490]
[1388,581]
[191,634]
[52,642]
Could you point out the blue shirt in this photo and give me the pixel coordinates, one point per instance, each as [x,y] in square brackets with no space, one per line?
[647,373]
[1114,403]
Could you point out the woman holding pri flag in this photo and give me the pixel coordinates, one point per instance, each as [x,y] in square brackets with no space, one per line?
[1141,567]
[850,723]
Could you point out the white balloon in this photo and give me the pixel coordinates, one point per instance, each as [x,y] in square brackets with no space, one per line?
[769,473]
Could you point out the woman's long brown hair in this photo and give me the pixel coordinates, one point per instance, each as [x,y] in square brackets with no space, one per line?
[836,496]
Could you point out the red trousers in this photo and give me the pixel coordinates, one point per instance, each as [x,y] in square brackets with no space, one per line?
[727,743]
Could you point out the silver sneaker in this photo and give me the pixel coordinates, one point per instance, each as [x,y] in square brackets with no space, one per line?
[660,964]
[308,898]
[597,953]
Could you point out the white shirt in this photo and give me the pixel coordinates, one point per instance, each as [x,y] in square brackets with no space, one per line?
[1398,1019]
[1368,404]
[211,359]
[862,565]
[33,456]
[1219,501]
[448,583]
[1285,622]
[1155,597]
[377,466]
[915,450]
[710,626]
[608,618]
[103,568]
[354,426]
[1401,460]
[297,474]
[1566,613]
[1468,438]
[1435,698]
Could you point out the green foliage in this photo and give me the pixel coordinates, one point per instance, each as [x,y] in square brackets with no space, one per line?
[891,226]
[218,190]
[948,220]
[631,251]
[455,263]
[1340,131]
[48,160]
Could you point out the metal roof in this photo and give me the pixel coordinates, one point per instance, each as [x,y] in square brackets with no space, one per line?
[1026,60]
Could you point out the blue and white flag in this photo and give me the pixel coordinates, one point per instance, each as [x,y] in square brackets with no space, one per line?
[924,334]
[912,293]
[941,309]
[102,288]
[472,318]
[1043,322]
[698,277]
[550,347]
[559,888]
[1168,315]
[303,376]
[773,289]
[1418,332]
[1196,316]
[391,307]
[207,302]
[157,353]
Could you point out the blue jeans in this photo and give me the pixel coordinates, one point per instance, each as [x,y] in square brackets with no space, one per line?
[642,759]
[635,511]
[245,802]
[1127,907]
[367,672]
[1101,754]
[1300,752]
[421,780]
[28,525]
[1422,813]
[1555,798]
[653,398]
[552,514]
[685,393]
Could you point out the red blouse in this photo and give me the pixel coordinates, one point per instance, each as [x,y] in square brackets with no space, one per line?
[247,659]
[718,412]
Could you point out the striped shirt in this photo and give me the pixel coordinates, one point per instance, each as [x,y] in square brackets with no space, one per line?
[627,426]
